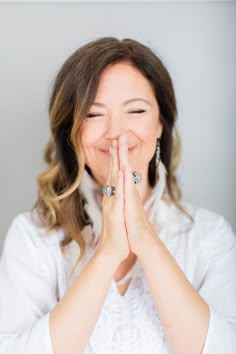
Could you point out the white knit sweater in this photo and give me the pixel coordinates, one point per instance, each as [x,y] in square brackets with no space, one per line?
[35,274]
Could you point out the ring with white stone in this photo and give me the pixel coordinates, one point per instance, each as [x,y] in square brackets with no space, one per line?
[137,177]
[109,191]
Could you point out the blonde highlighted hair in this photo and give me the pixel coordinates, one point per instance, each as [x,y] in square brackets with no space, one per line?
[60,203]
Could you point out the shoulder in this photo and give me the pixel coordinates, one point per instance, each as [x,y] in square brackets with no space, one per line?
[211,229]
[206,218]
[191,216]
[26,236]
[202,215]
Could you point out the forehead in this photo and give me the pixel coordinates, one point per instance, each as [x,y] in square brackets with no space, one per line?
[122,80]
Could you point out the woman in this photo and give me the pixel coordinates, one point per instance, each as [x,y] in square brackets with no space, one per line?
[110,260]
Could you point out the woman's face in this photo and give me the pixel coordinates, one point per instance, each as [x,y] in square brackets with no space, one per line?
[124,105]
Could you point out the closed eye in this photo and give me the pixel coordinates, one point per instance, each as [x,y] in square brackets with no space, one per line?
[91,115]
[137,111]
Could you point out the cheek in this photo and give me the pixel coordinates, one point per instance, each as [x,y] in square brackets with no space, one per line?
[89,136]
[147,131]
[87,141]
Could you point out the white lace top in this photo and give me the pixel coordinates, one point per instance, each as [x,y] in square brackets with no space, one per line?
[35,274]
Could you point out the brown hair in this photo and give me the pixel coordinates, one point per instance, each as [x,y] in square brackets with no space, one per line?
[60,203]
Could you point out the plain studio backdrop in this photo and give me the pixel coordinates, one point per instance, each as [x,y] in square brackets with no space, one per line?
[196,41]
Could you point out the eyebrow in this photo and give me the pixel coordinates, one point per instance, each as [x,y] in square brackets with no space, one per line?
[125,103]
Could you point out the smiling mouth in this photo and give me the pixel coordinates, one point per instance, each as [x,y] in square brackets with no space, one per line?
[130,149]
[106,152]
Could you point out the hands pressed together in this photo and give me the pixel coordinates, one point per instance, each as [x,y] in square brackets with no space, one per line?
[126,227]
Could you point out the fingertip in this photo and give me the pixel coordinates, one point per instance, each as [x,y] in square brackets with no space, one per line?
[123,139]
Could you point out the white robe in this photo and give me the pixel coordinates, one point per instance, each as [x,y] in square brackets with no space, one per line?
[35,274]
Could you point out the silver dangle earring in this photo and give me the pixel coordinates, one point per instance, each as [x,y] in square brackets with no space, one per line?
[158,156]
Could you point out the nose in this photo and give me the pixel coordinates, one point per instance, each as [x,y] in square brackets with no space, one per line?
[116,126]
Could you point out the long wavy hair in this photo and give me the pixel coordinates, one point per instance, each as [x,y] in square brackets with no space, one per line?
[60,203]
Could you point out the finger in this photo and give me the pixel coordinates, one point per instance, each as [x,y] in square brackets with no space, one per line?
[108,179]
[120,187]
[109,174]
[115,163]
[113,169]
[128,183]
[123,151]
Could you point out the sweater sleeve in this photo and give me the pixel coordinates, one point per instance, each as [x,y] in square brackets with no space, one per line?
[27,293]
[218,287]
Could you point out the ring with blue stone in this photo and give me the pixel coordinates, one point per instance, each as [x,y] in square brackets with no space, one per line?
[137,177]
[109,191]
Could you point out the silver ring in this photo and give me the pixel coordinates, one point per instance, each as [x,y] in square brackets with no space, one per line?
[137,177]
[108,191]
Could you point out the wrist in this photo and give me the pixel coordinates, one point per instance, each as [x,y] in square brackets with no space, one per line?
[149,245]
[110,259]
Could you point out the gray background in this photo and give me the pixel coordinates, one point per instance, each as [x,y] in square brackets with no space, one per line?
[197,42]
